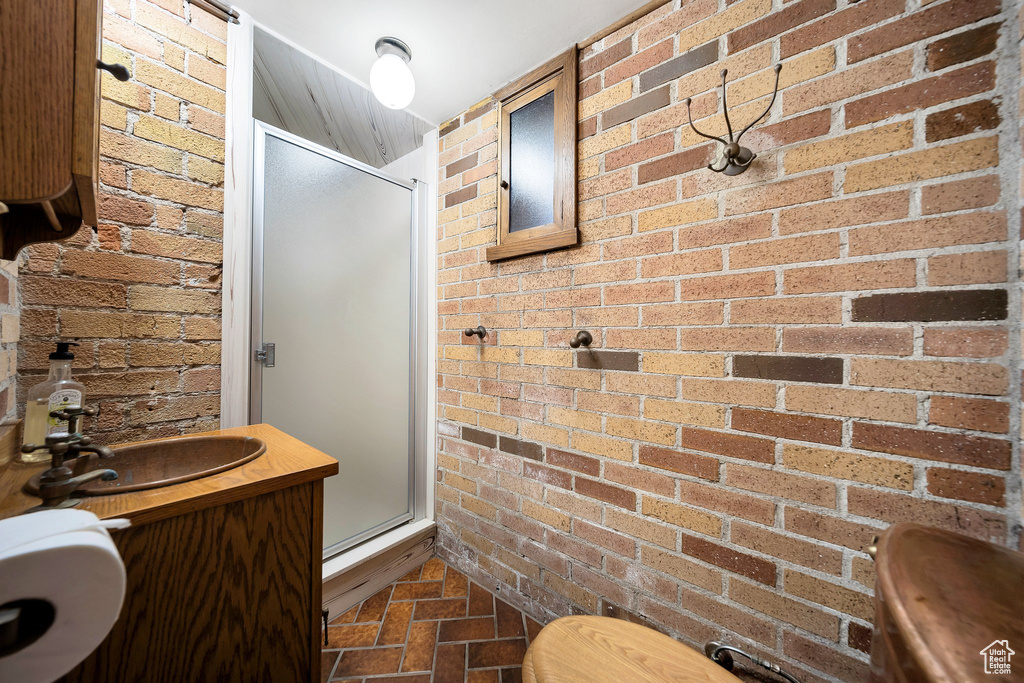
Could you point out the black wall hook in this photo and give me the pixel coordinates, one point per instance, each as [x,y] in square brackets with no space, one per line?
[480,331]
[736,159]
[582,337]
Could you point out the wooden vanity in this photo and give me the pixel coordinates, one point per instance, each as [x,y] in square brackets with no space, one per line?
[224,572]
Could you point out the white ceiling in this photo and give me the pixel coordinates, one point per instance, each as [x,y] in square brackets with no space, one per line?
[462,50]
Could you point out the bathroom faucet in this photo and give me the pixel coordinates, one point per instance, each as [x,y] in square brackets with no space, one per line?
[58,483]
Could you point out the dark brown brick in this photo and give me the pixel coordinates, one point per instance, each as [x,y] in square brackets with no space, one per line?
[683,463]
[786,426]
[934,20]
[472,628]
[479,437]
[696,58]
[859,637]
[589,87]
[608,360]
[605,58]
[973,304]
[547,475]
[474,114]
[638,106]
[973,486]
[963,47]
[683,162]
[733,445]
[606,492]
[450,126]
[962,449]
[790,16]
[962,120]
[840,24]
[970,80]
[497,653]
[790,368]
[525,449]
[642,61]
[464,195]
[572,461]
[463,164]
[727,558]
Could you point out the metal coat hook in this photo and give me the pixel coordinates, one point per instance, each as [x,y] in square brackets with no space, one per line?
[737,158]
[479,331]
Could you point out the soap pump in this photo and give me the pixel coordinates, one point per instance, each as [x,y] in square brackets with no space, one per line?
[59,391]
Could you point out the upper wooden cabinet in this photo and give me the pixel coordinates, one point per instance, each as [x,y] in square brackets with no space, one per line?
[537,161]
[49,119]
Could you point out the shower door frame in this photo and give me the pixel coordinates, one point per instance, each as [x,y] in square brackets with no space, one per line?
[261,131]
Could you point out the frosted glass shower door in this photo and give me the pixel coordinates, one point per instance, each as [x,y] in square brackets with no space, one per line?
[333,291]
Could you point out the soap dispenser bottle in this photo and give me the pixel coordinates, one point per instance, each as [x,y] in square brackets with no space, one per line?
[59,391]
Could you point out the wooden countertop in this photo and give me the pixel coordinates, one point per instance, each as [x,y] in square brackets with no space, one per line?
[286,462]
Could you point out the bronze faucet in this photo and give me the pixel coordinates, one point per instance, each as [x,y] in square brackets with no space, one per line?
[58,483]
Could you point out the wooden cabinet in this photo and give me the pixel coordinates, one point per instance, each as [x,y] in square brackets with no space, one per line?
[49,119]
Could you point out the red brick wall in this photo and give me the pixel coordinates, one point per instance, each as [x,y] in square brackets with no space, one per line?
[142,293]
[785,362]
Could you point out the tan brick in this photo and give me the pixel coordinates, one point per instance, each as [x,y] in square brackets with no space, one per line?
[933,162]
[678,214]
[779,194]
[970,413]
[883,341]
[781,251]
[606,99]
[785,609]
[760,394]
[683,516]
[722,22]
[117,267]
[173,83]
[180,32]
[101,325]
[851,277]
[965,342]
[599,445]
[851,466]
[147,298]
[845,148]
[693,365]
[874,405]
[845,212]
[684,412]
[825,593]
[799,70]
[945,231]
[167,133]
[180,191]
[971,378]
[787,310]
[597,144]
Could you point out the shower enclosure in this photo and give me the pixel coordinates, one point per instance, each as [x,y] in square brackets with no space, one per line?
[334,325]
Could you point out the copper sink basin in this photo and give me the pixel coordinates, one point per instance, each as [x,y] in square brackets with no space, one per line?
[168,461]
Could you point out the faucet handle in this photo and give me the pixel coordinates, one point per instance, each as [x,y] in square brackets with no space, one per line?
[68,412]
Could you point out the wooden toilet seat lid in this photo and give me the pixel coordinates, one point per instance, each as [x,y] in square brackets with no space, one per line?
[588,649]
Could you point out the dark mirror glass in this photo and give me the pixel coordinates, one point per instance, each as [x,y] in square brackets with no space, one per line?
[532,164]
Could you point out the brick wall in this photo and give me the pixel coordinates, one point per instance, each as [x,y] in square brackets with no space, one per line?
[785,362]
[142,292]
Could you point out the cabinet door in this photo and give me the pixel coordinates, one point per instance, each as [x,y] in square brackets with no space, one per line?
[36,98]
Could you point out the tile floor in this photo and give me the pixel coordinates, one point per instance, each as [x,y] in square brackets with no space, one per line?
[431,626]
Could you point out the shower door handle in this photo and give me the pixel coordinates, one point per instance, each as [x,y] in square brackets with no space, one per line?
[265,355]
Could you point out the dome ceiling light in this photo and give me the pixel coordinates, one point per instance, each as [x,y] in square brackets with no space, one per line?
[390,78]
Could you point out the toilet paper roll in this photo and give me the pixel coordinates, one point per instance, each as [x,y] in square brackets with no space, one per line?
[59,566]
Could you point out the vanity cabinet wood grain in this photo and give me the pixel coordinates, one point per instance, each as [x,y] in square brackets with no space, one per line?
[49,119]
[227,593]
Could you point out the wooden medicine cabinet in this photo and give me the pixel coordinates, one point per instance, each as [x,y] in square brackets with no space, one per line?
[537,161]
[49,119]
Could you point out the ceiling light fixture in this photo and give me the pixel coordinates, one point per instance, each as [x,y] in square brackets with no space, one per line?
[390,78]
